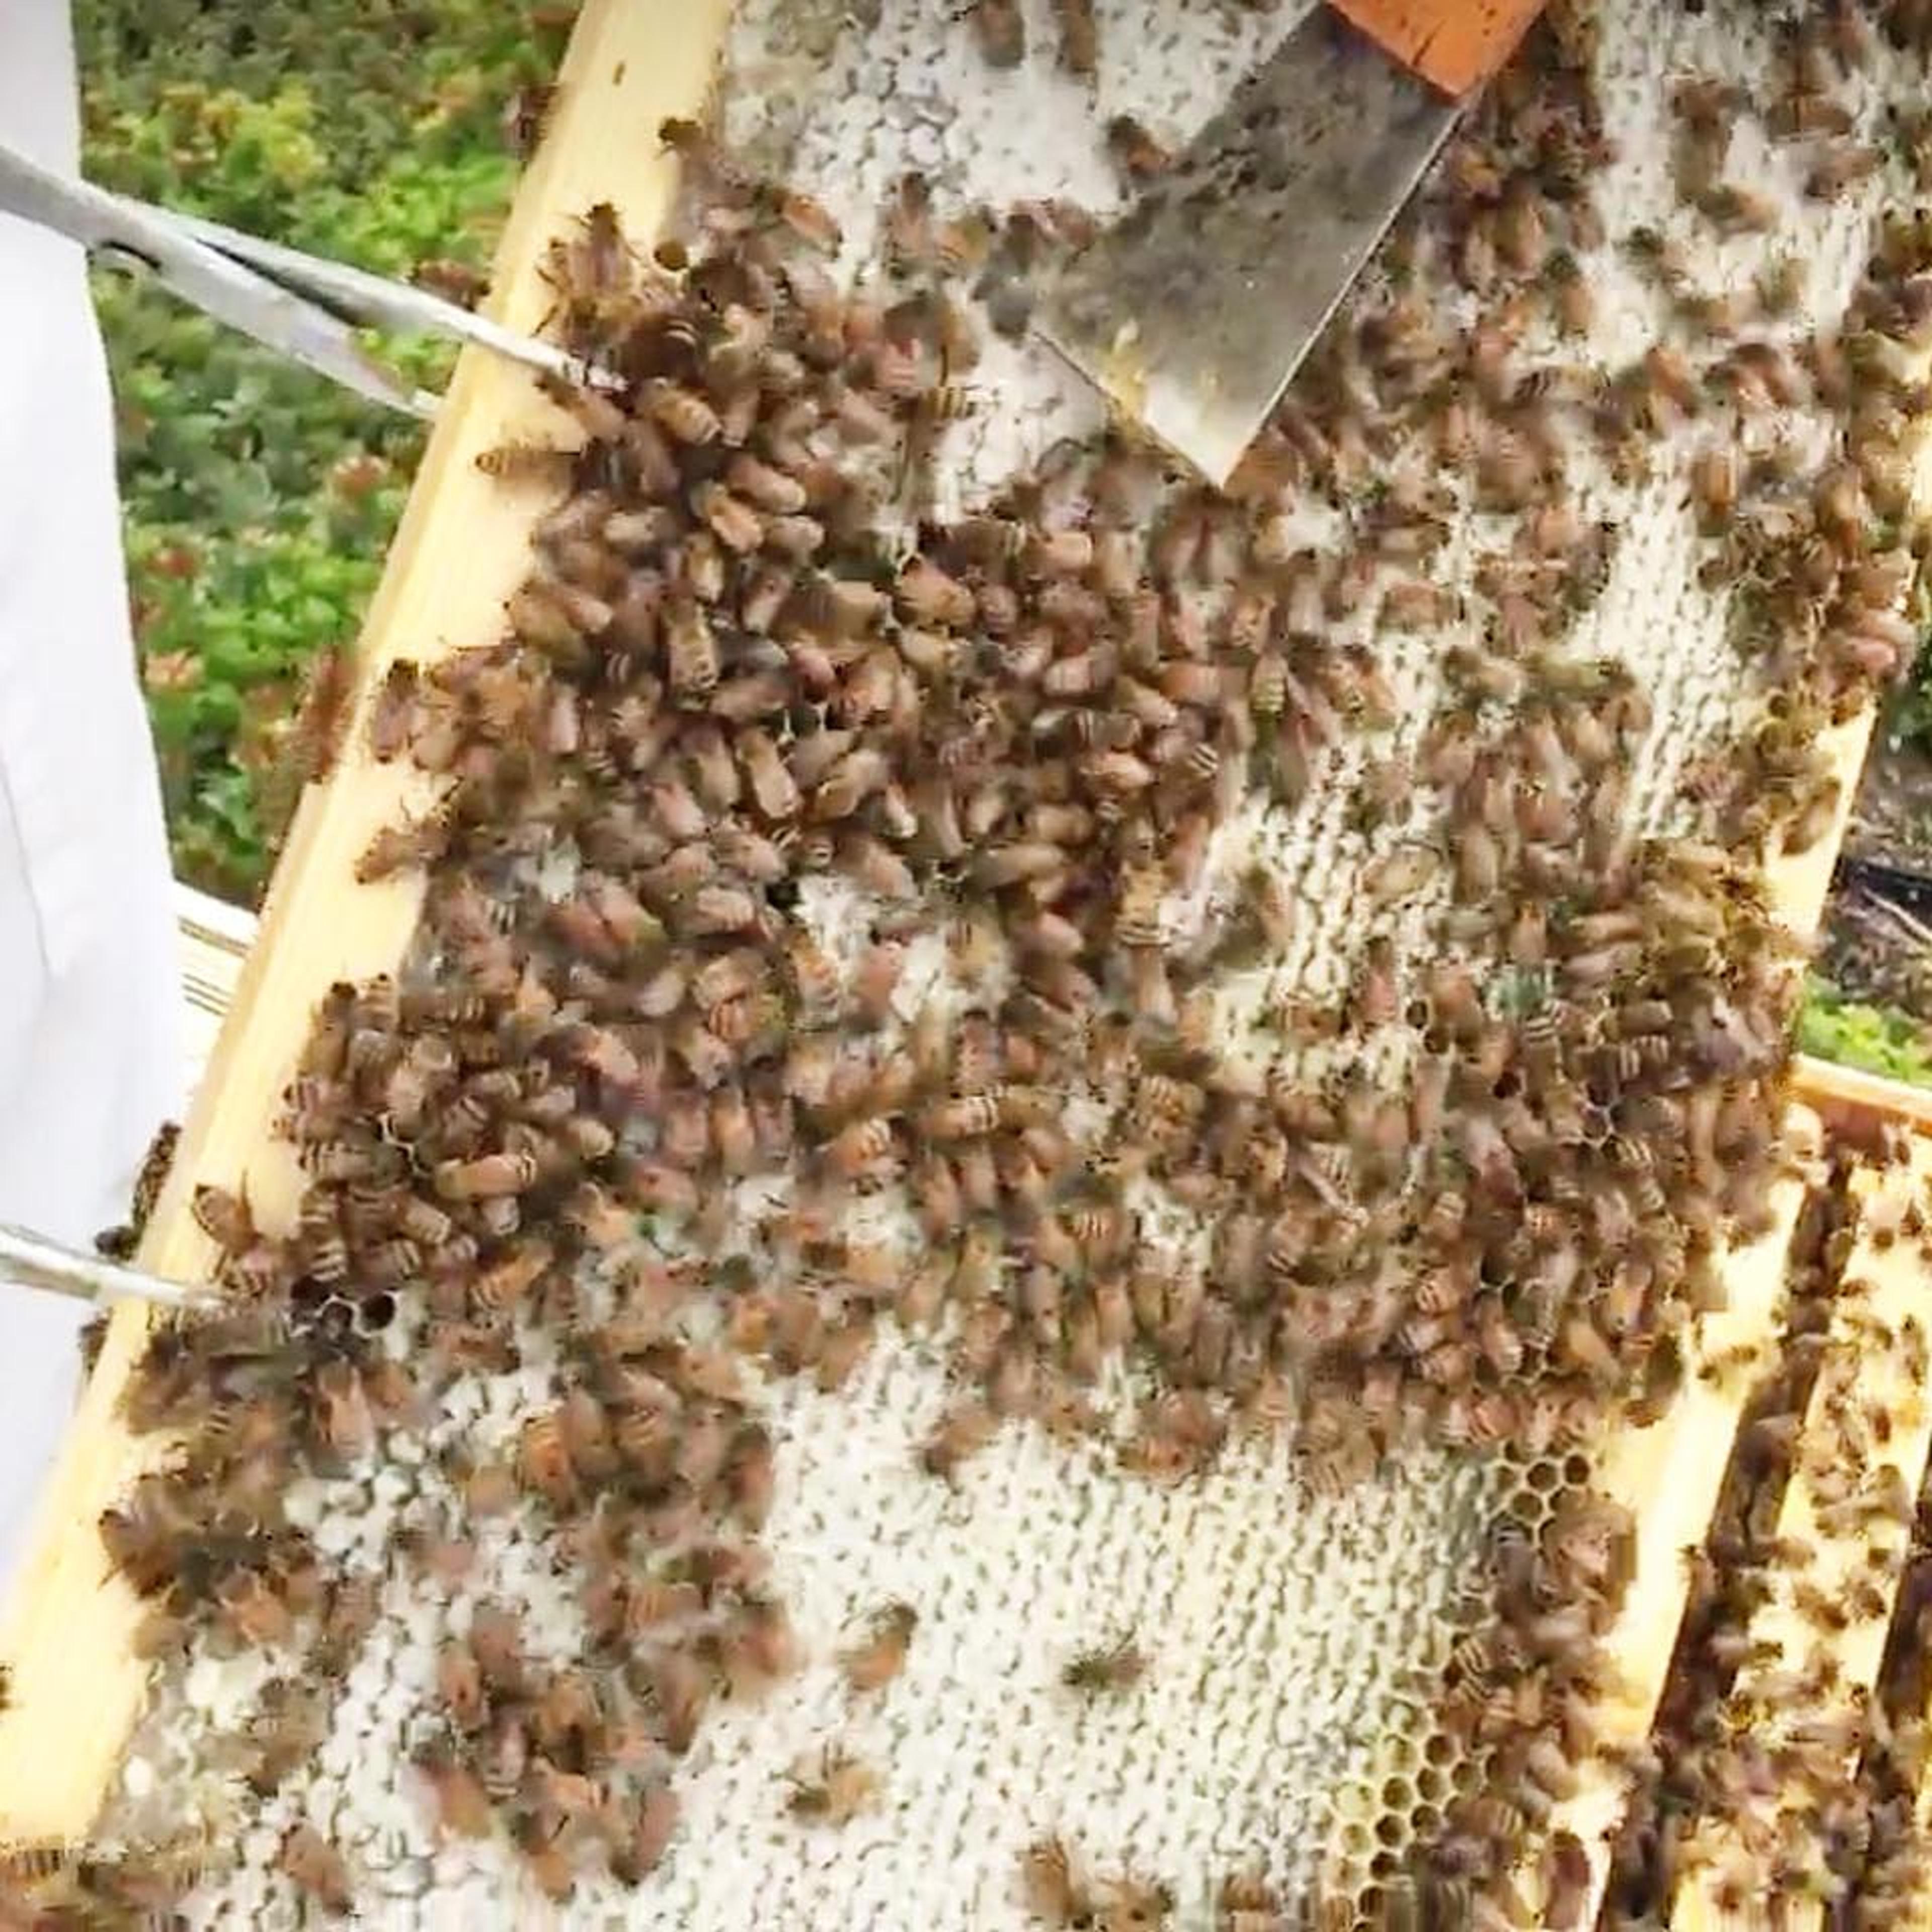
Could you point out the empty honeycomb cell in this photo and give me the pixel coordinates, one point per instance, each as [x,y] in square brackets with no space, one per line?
[1425,1822]
[1398,1794]
[1579,1471]
[1439,1750]
[1529,1509]
[1544,1476]
[1430,1785]
[1391,1830]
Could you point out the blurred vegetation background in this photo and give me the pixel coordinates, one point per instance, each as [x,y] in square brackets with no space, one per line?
[258,499]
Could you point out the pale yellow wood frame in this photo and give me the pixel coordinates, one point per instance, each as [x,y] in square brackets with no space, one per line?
[462,547]
[1845,1095]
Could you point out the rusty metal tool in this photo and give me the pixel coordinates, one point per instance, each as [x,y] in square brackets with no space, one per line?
[1194,311]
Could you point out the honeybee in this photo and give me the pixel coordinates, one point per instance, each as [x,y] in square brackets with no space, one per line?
[462,1806]
[1000,27]
[1247,1903]
[1051,1890]
[1138,156]
[484,1176]
[690,651]
[317,1869]
[963,1431]
[683,413]
[1841,167]
[926,594]
[405,847]
[1079,37]
[224,1218]
[1398,874]
[876,866]
[834,1790]
[1134,1905]
[652,1824]
[343,1420]
[1735,210]
[882,1656]
[513,462]
[1112,1667]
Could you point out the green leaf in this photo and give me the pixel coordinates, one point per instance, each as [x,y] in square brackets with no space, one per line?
[1878,1039]
[368,129]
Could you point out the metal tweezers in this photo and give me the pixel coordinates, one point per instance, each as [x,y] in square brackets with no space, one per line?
[306,308]
[33,1261]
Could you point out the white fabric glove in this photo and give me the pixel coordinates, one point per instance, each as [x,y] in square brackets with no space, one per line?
[90,1057]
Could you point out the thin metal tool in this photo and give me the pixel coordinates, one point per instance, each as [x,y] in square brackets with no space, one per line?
[1194,310]
[33,1261]
[301,306]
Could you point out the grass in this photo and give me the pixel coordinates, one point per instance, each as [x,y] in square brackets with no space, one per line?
[1878,1039]
[258,499]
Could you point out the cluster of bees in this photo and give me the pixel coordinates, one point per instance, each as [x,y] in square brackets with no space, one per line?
[1894,1860]
[1729,1575]
[1765,1762]
[728,680]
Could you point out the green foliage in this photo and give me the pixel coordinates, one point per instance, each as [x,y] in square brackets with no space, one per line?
[259,499]
[1878,1039]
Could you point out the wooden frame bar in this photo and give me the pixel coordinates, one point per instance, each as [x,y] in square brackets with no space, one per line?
[461,549]
[1883,1284]
[1667,1476]
[1849,1102]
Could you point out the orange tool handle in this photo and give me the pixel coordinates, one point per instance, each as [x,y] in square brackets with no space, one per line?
[1455,45]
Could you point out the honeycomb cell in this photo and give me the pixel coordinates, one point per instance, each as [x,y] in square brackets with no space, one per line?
[1530,1508]
[1545,1476]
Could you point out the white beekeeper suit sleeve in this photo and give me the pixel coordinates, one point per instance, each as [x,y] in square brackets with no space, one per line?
[90,1059]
